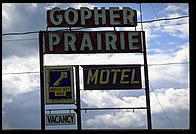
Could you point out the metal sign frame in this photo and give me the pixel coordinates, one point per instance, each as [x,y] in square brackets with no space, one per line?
[78,110]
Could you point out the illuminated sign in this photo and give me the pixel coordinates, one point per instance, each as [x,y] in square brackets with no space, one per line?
[78,42]
[60,119]
[84,17]
[111,77]
[59,85]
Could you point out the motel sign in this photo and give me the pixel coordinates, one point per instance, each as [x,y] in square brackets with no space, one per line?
[57,82]
[112,77]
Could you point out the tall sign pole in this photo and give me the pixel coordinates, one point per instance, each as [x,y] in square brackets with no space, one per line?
[42,80]
[78,98]
[146,75]
[147,84]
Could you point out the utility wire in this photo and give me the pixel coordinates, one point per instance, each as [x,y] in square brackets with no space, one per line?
[180,17]
[150,21]
[141,16]
[21,73]
[156,15]
[140,28]
[20,33]
[166,25]
[101,68]
[20,39]
[167,64]
[162,107]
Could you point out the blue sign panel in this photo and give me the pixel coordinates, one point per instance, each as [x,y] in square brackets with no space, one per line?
[59,85]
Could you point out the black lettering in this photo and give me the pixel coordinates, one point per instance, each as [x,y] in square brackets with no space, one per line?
[60,119]
[51,119]
[56,119]
[64,118]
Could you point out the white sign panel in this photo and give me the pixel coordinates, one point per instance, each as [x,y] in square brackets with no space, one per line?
[61,119]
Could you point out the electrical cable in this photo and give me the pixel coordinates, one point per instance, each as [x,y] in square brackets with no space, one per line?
[20,39]
[150,21]
[180,17]
[156,15]
[21,73]
[140,28]
[20,33]
[102,68]
[167,64]
[162,107]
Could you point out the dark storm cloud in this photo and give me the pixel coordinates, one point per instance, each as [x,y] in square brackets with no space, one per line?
[22,18]
[20,48]
[23,112]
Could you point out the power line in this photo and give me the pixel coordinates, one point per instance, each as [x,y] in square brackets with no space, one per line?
[141,16]
[167,64]
[38,38]
[21,73]
[150,21]
[166,25]
[156,15]
[20,39]
[162,107]
[20,33]
[102,68]
[180,17]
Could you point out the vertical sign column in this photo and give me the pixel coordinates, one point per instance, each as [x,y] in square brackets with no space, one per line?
[42,80]
[147,84]
[78,98]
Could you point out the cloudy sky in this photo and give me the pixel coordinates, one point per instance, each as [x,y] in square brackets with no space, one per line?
[167,42]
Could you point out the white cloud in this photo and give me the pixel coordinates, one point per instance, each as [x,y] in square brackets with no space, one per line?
[170,73]
[27,64]
[172,7]
[171,99]
[13,84]
[6,9]
[177,10]
[183,7]
[102,99]
[67,5]
[174,101]
[153,29]
[34,5]
[83,59]
[119,120]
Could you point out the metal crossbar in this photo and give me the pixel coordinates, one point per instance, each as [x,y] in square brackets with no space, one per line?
[96,108]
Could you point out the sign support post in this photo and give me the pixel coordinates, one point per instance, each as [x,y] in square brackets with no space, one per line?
[42,80]
[78,98]
[146,84]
